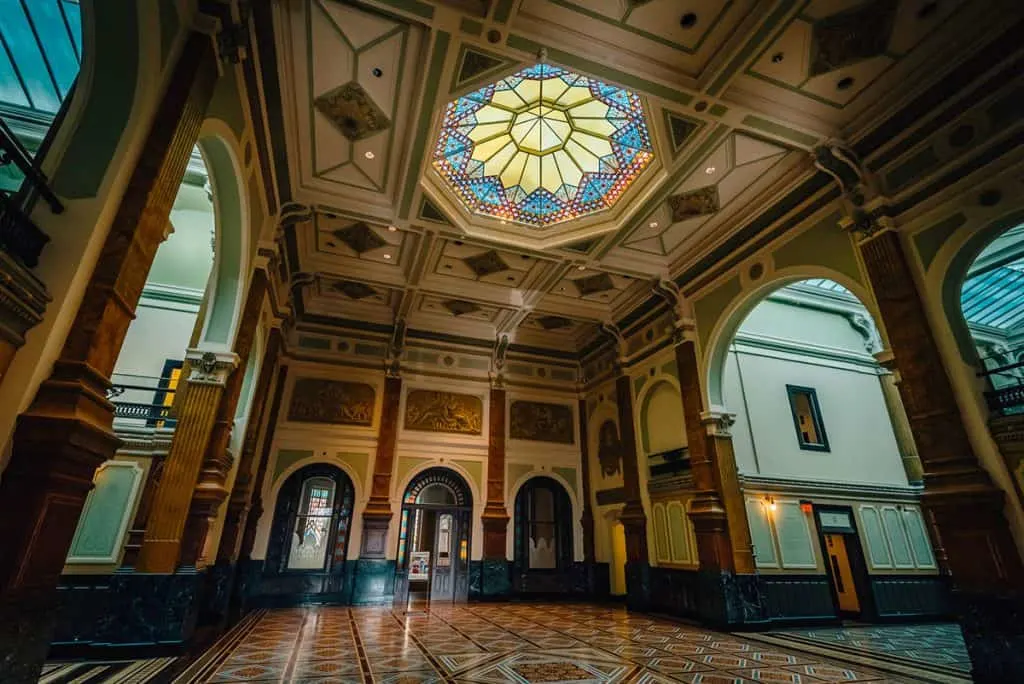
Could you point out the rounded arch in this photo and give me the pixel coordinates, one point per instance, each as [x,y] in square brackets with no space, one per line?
[544,532]
[729,322]
[439,475]
[274,488]
[647,394]
[569,488]
[961,255]
[228,285]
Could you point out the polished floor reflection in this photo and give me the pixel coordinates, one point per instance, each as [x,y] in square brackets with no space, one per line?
[517,644]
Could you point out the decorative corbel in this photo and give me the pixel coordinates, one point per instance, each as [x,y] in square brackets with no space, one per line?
[393,362]
[867,210]
[684,325]
[609,328]
[863,325]
[498,357]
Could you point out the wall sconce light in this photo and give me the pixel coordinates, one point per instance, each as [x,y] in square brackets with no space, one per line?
[769,502]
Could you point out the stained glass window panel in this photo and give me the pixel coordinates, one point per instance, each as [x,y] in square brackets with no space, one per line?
[543,146]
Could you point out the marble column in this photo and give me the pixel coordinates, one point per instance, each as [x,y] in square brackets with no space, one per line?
[900,425]
[211,487]
[495,578]
[724,548]
[632,516]
[377,514]
[964,508]
[67,432]
[242,492]
[162,545]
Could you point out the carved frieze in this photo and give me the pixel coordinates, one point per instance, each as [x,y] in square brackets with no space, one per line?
[699,202]
[316,400]
[432,411]
[541,422]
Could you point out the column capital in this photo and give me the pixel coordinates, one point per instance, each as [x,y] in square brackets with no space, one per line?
[210,367]
[717,422]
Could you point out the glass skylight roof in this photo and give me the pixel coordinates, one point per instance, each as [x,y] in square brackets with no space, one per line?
[543,146]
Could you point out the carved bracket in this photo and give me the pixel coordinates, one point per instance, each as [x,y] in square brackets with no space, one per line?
[210,368]
[867,210]
[718,422]
[683,320]
[498,356]
[393,362]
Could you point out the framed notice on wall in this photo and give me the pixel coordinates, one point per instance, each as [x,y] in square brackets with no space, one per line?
[419,565]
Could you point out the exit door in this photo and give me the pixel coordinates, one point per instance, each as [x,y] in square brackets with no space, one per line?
[842,573]
[844,561]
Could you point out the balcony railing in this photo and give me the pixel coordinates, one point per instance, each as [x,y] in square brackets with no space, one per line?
[1007,381]
[144,398]
[19,235]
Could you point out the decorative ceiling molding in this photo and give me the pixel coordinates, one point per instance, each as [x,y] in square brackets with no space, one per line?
[699,202]
[354,289]
[460,307]
[353,111]
[360,237]
[849,37]
[486,263]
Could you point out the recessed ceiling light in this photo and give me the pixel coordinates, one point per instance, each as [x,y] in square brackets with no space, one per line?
[652,224]
[688,20]
[392,229]
[387,256]
[710,170]
[369,154]
[845,83]
[581,268]
[778,57]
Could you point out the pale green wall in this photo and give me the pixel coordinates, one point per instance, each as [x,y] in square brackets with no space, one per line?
[186,257]
[782,320]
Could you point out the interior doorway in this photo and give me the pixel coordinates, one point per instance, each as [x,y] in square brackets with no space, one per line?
[433,541]
[844,561]
[618,559]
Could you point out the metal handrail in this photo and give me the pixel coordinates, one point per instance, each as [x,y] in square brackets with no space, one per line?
[19,235]
[151,412]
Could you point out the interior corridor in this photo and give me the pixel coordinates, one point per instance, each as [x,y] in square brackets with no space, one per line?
[515,643]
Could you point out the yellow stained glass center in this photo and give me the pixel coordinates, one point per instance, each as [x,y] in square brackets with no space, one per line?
[540,129]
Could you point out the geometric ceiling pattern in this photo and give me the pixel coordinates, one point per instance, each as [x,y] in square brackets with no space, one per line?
[543,146]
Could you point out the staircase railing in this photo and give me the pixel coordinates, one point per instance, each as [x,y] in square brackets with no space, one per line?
[1007,382]
[19,235]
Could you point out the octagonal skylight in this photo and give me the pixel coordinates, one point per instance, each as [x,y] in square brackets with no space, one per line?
[543,146]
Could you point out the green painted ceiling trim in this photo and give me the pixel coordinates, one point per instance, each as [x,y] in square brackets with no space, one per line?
[600,70]
[471,26]
[503,10]
[420,9]
[667,188]
[825,244]
[433,78]
[502,64]
[779,130]
[709,308]
[929,241]
[287,458]
[769,25]
[569,474]
[718,110]
[622,25]
[107,111]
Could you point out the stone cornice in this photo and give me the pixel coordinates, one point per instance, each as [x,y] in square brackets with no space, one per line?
[829,488]
[23,299]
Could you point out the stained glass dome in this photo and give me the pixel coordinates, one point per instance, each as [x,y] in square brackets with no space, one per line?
[543,146]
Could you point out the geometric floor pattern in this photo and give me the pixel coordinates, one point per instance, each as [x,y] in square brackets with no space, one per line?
[511,643]
[937,648]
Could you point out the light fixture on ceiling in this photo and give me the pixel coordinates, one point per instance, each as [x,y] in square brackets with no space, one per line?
[709,170]
[369,154]
[652,224]
[392,229]
[387,256]
[581,267]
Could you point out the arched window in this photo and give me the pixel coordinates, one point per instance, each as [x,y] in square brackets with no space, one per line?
[311,521]
[543,526]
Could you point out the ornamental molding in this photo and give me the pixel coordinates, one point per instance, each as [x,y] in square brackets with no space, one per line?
[23,299]
[209,367]
[717,422]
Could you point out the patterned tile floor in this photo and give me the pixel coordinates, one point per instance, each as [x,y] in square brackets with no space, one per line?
[938,647]
[506,644]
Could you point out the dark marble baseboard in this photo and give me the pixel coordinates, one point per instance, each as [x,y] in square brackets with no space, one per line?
[140,609]
[373,581]
[798,599]
[495,579]
[910,597]
[993,629]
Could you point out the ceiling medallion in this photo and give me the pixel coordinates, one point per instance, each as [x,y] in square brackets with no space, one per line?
[543,146]
[486,263]
[699,202]
[851,36]
[360,237]
[460,307]
[353,111]
[353,289]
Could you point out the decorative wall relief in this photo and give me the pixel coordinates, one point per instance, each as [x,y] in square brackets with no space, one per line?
[315,400]
[432,411]
[541,422]
[609,449]
[353,111]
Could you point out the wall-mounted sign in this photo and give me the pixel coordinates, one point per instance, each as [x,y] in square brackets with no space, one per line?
[419,565]
[835,521]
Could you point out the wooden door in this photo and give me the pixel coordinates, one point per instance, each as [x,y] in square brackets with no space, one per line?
[842,573]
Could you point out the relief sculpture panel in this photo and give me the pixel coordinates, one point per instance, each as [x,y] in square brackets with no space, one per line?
[316,400]
[541,422]
[432,411]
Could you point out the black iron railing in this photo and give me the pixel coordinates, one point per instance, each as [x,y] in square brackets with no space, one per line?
[19,235]
[1006,377]
[130,400]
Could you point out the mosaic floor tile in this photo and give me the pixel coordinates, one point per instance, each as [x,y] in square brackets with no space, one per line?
[831,673]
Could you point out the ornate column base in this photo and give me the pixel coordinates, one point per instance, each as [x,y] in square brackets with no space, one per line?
[495,569]
[376,521]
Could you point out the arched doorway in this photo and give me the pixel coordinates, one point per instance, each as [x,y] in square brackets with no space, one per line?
[308,544]
[543,537]
[432,563]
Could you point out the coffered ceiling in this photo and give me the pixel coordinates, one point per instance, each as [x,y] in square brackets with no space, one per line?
[734,94]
